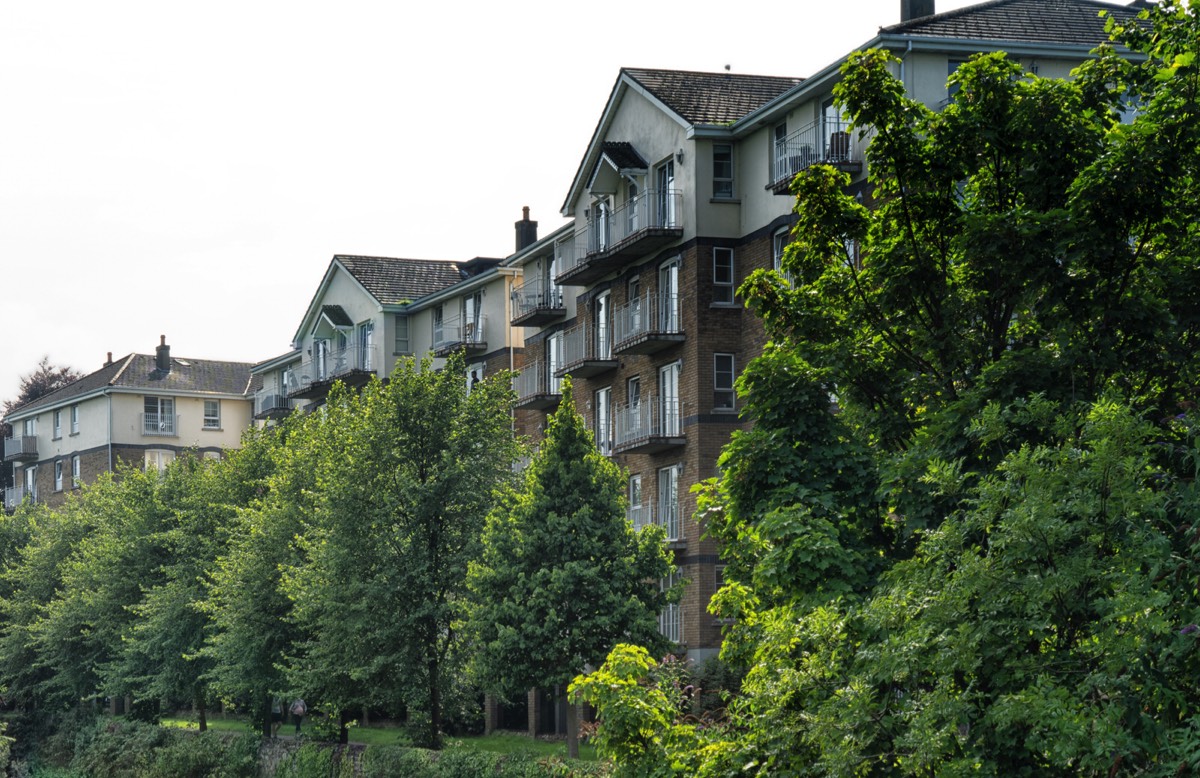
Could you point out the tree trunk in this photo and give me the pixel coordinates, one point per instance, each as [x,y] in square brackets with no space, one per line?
[435,705]
[572,729]
[201,709]
[344,719]
[264,714]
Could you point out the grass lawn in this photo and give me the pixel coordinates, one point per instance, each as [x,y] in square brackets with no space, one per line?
[376,735]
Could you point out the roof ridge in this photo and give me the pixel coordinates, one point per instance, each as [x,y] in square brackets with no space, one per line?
[128,361]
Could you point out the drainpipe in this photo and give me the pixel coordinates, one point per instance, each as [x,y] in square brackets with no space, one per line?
[903,62]
[110,431]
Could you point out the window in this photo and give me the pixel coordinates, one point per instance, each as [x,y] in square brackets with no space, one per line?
[76,478]
[723,394]
[665,175]
[636,512]
[670,620]
[212,414]
[635,305]
[603,315]
[57,425]
[366,345]
[58,475]
[779,164]
[668,296]
[158,416]
[723,170]
[158,460]
[554,355]
[438,320]
[722,275]
[604,420]
[74,419]
[31,490]
[668,398]
[474,375]
[31,427]
[779,244]
[473,318]
[402,345]
[668,501]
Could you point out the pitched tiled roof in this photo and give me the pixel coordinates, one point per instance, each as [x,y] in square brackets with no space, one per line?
[710,98]
[623,154]
[391,280]
[139,371]
[1029,21]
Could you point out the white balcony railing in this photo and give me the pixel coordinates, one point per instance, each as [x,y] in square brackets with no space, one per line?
[160,424]
[650,210]
[652,417]
[459,331]
[331,364]
[535,381]
[645,315]
[271,402]
[824,141]
[670,623]
[586,343]
[13,496]
[639,515]
[536,294]
[20,448]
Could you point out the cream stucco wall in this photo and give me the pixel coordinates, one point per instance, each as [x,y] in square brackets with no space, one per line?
[127,409]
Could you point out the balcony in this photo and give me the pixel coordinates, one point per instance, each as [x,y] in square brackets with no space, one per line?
[22,449]
[161,425]
[648,222]
[647,324]
[537,301]
[466,334]
[536,389]
[352,364]
[827,141]
[587,352]
[271,405]
[665,514]
[14,496]
[654,424]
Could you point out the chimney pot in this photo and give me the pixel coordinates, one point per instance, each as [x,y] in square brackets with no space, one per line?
[526,230]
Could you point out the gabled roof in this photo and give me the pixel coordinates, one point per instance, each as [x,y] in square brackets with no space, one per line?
[1066,22]
[337,315]
[710,98]
[623,155]
[690,98]
[391,280]
[140,372]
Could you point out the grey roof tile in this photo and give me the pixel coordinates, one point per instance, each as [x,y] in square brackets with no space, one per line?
[337,315]
[623,154]
[710,98]
[392,280]
[1027,21]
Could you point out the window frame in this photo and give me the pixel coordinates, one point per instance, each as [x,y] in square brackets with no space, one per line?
[208,418]
[57,423]
[76,472]
[603,420]
[723,290]
[402,345]
[722,390]
[722,185]
[74,419]
[58,475]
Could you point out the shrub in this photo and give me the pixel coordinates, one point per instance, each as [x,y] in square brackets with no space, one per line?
[389,761]
[189,755]
[467,763]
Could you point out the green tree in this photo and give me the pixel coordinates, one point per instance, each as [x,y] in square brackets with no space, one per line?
[984,561]
[405,473]
[563,575]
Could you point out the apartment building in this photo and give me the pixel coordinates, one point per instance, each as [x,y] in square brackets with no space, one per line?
[681,192]
[142,410]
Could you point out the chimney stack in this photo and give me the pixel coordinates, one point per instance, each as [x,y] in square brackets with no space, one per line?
[109,360]
[162,355]
[526,230]
[915,9]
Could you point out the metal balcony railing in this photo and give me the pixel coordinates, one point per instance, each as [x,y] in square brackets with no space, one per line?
[331,364]
[459,331]
[653,417]
[639,515]
[586,343]
[652,210]
[824,141]
[670,623]
[647,315]
[24,447]
[160,424]
[535,381]
[13,496]
[271,403]
[536,294]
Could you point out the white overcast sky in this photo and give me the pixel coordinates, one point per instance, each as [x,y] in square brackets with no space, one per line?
[189,169]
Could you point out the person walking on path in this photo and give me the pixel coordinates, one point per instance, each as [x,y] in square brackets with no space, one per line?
[298,709]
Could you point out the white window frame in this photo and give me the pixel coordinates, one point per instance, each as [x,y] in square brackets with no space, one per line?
[636,512]
[74,419]
[724,275]
[164,409]
[670,406]
[30,427]
[604,420]
[603,321]
[76,477]
[403,341]
[57,423]
[366,345]
[554,361]
[31,482]
[667,508]
[159,459]
[475,372]
[722,184]
[58,475]
[212,421]
[724,373]
[670,620]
